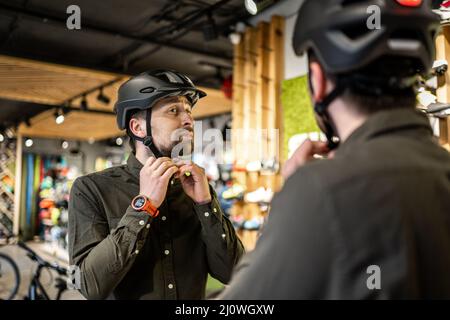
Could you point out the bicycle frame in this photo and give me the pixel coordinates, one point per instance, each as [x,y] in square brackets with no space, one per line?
[36,290]
[35,285]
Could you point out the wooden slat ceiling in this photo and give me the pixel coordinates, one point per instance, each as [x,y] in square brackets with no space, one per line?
[39,82]
[44,83]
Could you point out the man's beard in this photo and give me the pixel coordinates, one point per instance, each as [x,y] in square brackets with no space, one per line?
[185,148]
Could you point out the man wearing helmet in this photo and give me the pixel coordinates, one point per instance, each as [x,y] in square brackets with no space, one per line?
[153,228]
[373,220]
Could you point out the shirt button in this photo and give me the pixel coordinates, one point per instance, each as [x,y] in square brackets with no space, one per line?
[166,252]
[170,286]
[148,226]
[206,214]
[223,235]
[163,218]
[137,251]
[171,182]
[142,222]
[214,209]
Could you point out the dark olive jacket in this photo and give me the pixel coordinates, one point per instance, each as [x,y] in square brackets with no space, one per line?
[379,210]
[124,254]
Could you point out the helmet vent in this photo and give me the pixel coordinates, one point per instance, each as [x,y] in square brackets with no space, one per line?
[147,90]
[355,31]
[350,2]
[407,35]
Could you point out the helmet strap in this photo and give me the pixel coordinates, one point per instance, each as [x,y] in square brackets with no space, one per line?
[148,140]
[321,109]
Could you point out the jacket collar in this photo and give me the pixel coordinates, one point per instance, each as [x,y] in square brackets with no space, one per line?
[134,165]
[383,123]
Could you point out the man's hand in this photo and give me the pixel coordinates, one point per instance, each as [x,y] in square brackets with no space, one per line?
[154,179]
[302,155]
[195,184]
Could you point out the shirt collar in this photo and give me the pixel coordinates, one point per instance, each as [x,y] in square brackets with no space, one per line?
[386,122]
[134,165]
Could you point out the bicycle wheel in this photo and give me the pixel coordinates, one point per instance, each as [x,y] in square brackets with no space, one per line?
[9,278]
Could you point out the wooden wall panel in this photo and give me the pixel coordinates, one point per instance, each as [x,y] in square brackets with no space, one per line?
[257,75]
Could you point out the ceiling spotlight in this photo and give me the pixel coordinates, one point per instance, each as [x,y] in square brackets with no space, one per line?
[251,7]
[59,117]
[64,144]
[240,27]
[119,141]
[9,133]
[256,6]
[2,137]
[235,38]
[28,143]
[84,105]
[102,98]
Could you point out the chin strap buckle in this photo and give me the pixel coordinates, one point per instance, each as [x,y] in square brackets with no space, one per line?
[147,141]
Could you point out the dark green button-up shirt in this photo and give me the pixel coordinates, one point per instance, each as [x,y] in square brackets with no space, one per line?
[125,254]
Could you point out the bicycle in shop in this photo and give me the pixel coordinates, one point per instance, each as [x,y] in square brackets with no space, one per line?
[10,277]
[9,274]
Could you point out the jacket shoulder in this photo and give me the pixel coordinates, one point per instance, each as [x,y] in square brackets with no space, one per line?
[99,178]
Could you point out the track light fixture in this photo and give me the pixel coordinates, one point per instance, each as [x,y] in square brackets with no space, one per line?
[59,116]
[102,97]
[84,104]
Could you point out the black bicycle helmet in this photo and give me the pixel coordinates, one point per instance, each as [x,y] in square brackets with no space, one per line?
[345,38]
[337,31]
[141,92]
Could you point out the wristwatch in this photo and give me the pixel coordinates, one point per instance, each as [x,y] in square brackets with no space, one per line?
[142,203]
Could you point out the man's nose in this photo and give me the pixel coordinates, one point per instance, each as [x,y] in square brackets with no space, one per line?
[187,120]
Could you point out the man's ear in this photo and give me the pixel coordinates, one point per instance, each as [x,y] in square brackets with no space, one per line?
[318,81]
[137,127]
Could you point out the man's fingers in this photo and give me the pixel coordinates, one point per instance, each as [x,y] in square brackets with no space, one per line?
[320,148]
[163,167]
[158,162]
[303,152]
[149,161]
[186,168]
[169,173]
[181,163]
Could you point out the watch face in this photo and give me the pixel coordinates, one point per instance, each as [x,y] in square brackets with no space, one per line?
[139,202]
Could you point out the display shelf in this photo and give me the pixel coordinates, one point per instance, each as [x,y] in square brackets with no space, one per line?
[7,160]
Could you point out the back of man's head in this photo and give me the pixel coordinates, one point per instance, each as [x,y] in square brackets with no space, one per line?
[372,49]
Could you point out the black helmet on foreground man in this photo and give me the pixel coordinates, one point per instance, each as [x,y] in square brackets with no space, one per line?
[337,33]
[143,91]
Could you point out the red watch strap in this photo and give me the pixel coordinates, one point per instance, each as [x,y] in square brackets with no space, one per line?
[147,207]
[150,208]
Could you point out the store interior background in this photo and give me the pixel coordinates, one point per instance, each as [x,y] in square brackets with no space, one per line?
[47,71]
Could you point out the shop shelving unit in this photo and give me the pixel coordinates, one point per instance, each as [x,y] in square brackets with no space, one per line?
[7,178]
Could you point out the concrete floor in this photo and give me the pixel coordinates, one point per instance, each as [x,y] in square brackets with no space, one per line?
[27,267]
